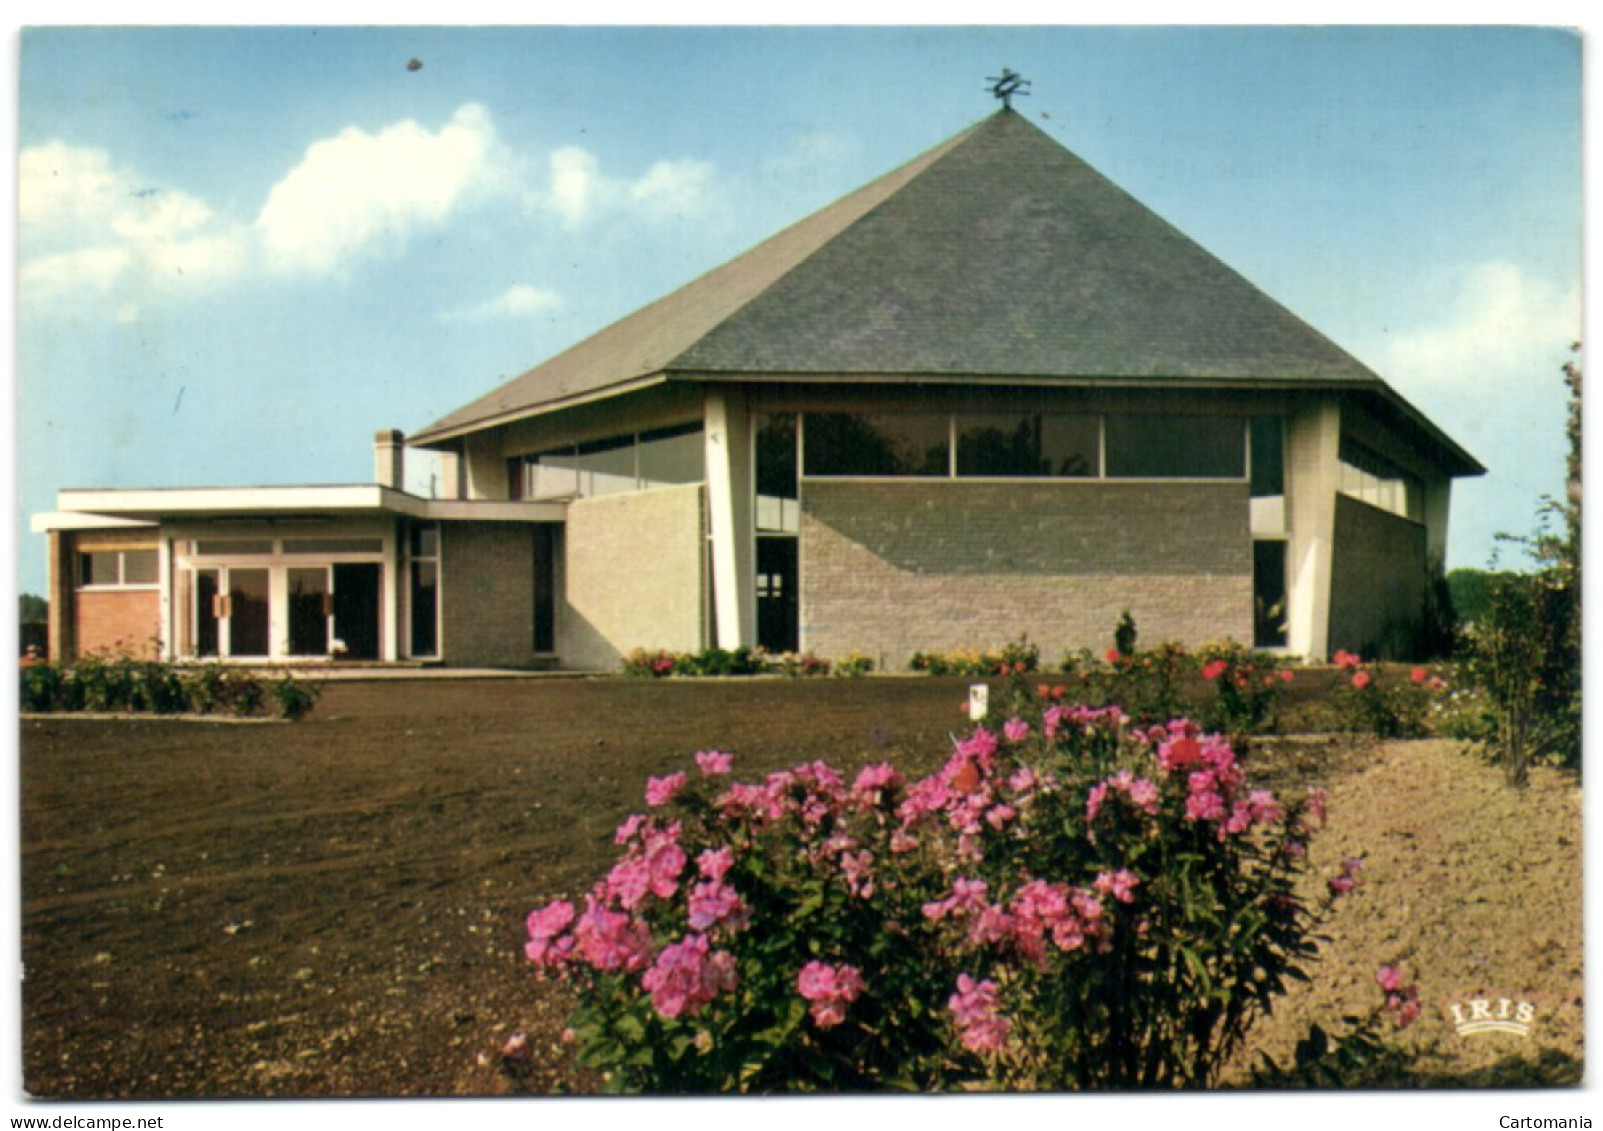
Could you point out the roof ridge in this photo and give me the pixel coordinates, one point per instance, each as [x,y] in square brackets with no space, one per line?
[491,406]
[907,172]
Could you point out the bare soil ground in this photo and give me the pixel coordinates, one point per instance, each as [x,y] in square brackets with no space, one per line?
[335,907]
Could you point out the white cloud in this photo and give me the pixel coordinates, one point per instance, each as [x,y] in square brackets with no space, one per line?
[518,301]
[357,193]
[673,188]
[92,226]
[580,191]
[85,224]
[577,186]
[1504,326]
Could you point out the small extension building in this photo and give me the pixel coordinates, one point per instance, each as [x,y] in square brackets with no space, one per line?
[987,395]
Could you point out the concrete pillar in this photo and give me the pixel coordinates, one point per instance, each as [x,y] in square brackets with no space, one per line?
[61,617]
[449,483]
[485,467]
[164,575]
[1313,472]
[729,504]
[389,459]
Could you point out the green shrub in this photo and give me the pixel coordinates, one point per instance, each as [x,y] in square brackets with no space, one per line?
[854,664]
[1247,688]
[295,697]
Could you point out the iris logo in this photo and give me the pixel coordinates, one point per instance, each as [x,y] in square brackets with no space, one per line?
[1492,1015]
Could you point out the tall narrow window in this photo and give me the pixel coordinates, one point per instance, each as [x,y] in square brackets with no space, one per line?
[423,547]
[778,523]
[545,587]
[1269,611]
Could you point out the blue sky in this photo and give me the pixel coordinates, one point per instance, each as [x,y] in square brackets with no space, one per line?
[241,252]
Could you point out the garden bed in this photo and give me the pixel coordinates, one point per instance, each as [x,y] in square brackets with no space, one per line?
[336,908]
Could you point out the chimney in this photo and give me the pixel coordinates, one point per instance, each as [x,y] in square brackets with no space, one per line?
[389,459]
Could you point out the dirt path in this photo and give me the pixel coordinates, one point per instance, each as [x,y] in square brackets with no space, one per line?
[1473,889]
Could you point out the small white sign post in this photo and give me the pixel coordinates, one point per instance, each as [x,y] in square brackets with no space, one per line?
[979,701]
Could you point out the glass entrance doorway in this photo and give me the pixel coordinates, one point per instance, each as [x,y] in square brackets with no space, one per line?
[334,610]
[231,612]
[281,597]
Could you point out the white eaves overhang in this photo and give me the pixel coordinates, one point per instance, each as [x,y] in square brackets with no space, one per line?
[80,509]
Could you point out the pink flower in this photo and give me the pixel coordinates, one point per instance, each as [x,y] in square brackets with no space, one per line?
[544,948]
[714,863]
[1016,730]
[873,780]
[716,904]
[1348,878]
[711,762]
[1286,675]
[660,791]
[974,1007]
[1361,680]
[687,975]
[1213,669]
[1120,885]
[611,940]
[1419,675]
[967,895]
[858,868]
[1179,754]
[830,989]
[1389,978]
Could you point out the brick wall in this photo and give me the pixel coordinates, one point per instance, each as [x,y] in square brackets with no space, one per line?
[486,593]
[119,621]
[1377,584]
[634,576]
[103,620]
[894,568]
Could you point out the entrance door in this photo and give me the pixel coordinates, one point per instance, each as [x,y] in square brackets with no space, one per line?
[231,612]
[356,609]
[778,606]
[248,631]
[310,605]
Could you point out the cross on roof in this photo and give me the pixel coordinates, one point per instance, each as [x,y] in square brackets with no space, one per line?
[1007,86]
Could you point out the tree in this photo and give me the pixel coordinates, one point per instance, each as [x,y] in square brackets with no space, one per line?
[1525,651]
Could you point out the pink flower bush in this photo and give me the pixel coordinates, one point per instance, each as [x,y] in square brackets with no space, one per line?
[1035,866]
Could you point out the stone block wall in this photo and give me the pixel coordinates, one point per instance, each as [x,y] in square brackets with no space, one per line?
[1377,585]
[634,576]
[896,568]
[486,593]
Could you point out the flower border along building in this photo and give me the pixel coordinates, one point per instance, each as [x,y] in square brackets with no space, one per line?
[986,395]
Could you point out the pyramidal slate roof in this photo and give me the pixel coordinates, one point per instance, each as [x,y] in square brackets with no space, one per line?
[997,254]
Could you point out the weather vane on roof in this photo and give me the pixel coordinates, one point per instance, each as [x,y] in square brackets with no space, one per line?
[1007,86]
